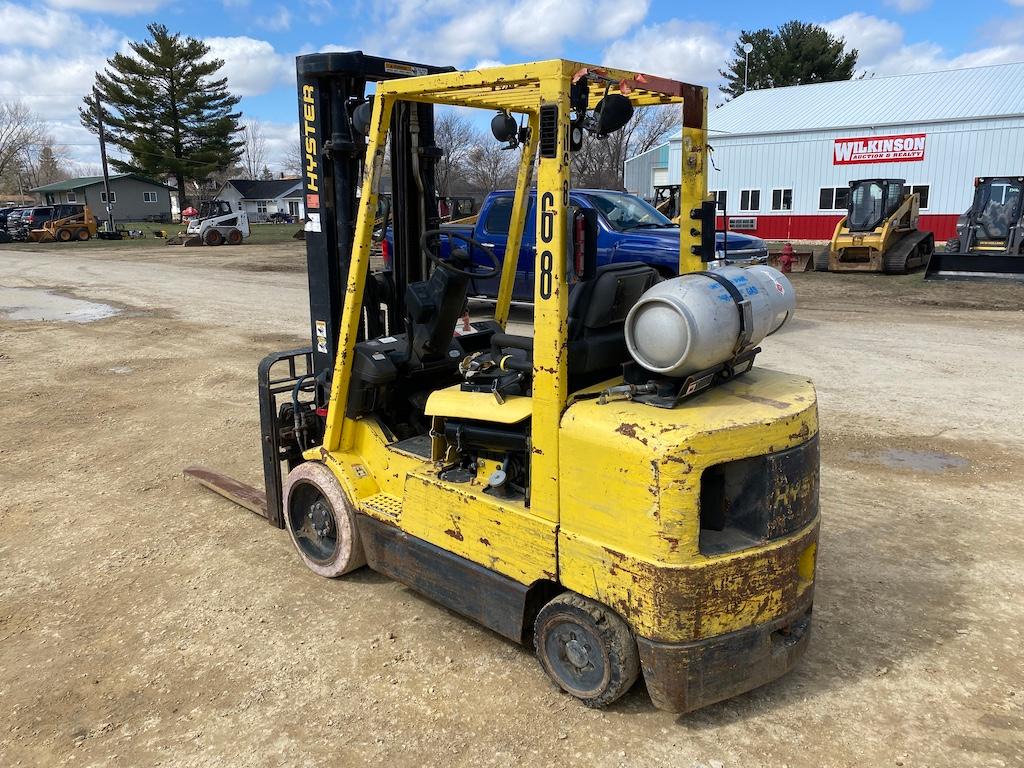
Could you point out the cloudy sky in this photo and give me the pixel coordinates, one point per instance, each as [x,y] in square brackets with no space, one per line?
[49,49]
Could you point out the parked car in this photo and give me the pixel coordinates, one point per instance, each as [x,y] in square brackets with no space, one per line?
[4,212]
[14,219]
[629,229]
[34,218]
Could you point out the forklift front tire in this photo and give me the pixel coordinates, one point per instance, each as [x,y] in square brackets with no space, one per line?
[586,649]
[321,521]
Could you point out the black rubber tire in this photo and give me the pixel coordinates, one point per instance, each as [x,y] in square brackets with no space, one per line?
[64,235]
[234,237]
[311,483]
[213,237]
[953,245]
[600,635]
[821,260]
[82,235]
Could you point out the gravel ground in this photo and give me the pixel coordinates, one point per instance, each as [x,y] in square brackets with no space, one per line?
[146,621]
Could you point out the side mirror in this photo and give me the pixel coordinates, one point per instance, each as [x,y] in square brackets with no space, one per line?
[361,117]
[611,113]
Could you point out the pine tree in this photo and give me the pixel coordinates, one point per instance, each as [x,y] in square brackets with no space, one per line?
[795,54]
[266,175]
[166,108]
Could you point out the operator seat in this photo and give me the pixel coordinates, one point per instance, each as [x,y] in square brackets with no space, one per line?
[597,320]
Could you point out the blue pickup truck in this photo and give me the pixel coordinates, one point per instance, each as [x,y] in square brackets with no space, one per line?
[629,229]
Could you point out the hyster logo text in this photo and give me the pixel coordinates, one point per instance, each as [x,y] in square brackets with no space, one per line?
[905,148]
[309,143]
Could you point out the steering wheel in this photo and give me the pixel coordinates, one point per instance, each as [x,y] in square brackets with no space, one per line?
[436,258]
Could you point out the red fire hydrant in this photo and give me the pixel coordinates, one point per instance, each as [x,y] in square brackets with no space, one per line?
[786,258]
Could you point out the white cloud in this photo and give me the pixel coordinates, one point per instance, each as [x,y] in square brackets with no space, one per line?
[251,66]
[48,28]
[278,21]
[450,32]
[52,85]
[884,51]
[120,7]
[909,6]
[692,52]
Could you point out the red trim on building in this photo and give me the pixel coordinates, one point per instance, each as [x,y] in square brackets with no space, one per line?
[821,226]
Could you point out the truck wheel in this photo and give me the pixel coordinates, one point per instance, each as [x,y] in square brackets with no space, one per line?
[234,237]
[213,237]
[586,649]
[82,235]
[321,522]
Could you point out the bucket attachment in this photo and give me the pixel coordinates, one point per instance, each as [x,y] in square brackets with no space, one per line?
[975,266]
[40,236]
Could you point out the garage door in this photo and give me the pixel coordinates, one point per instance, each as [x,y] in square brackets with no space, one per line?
[659,177]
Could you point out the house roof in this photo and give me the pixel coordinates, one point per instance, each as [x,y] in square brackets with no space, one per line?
[258,189]
[88,181]
[958,94]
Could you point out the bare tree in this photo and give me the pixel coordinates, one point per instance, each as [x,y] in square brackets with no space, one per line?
[490,167]
[254,150]
[20,130]
[294,159]
[456,137]
[600,162]
[44,162]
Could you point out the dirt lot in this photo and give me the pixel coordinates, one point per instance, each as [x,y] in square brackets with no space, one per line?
[145,621]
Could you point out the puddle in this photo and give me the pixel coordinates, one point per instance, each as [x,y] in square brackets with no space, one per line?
[40,304]
[914,461]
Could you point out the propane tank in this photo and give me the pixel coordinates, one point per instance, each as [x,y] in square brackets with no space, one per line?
[692,322]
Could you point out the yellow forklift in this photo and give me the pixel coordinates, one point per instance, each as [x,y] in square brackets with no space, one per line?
[879,232]
[624,490]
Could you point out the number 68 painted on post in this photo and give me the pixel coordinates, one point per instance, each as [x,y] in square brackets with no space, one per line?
[547,233]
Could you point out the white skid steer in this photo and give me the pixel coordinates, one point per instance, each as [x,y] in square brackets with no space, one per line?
[217,224]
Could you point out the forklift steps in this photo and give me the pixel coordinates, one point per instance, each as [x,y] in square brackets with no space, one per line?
[382,504]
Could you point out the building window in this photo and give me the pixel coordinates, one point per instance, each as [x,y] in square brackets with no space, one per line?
[721,199]
[293,207]
[149,197]
[750,200]
[113,197]
[782,199]
[261,206]
[922,191]
[72,197]
[833,198]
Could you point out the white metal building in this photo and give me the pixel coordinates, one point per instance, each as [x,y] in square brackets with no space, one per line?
[784,157]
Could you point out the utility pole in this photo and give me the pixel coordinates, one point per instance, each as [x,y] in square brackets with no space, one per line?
[747,48]
[103,159]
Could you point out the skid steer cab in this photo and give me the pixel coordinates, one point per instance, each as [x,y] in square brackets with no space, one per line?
[617,486]
[879,232]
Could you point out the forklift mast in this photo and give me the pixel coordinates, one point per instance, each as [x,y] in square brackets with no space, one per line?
[332,94]
[334,110]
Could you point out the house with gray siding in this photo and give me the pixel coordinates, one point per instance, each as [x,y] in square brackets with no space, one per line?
[132,197]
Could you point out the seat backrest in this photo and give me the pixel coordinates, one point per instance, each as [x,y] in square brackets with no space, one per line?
[597,317]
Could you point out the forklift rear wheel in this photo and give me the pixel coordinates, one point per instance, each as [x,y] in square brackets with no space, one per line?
[234,237]
[213,237]
[321,522]
[587,649]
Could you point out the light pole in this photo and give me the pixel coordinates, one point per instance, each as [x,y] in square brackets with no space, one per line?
[747,48]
